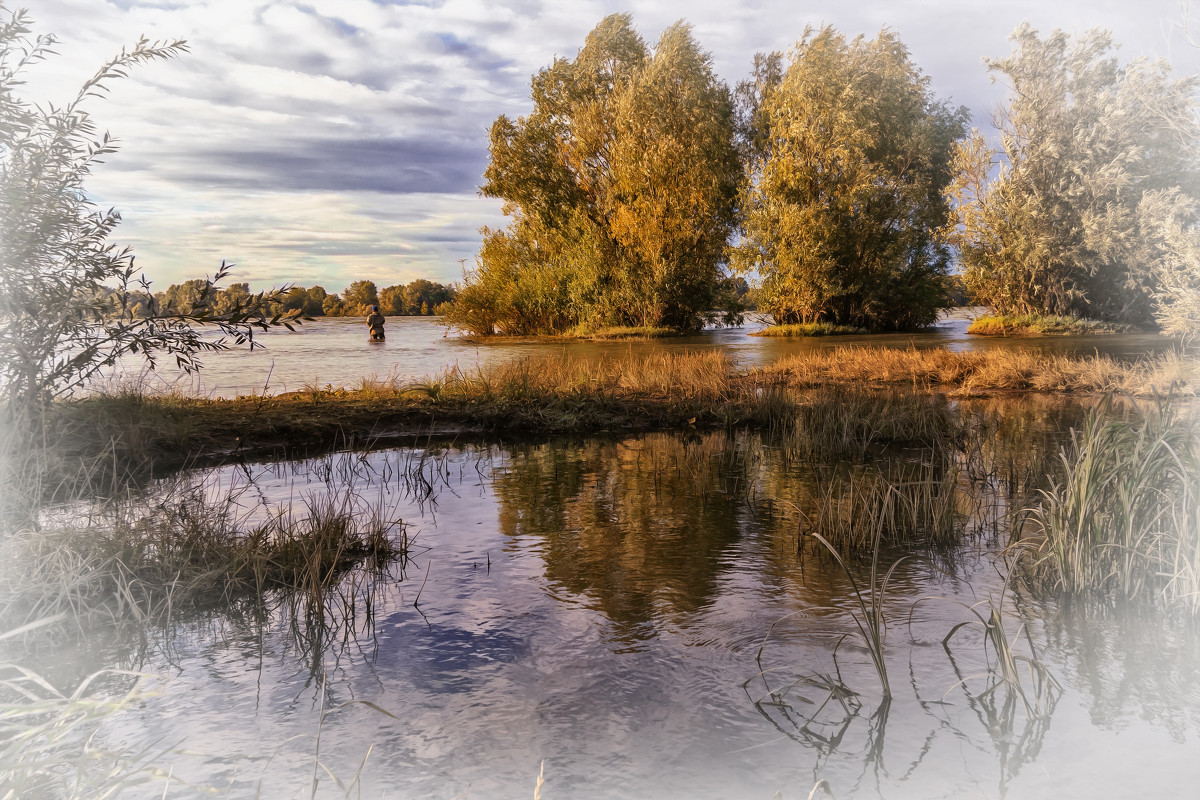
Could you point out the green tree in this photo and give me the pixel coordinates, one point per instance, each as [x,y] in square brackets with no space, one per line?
[848,154]
[621,186]
[332,305]
[1061,228]
[314,306]
[67,299]
[359,297]
[391,301]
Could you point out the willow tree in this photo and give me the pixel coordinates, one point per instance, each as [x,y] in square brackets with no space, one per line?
[621,186]
[1096,161]
[849,153]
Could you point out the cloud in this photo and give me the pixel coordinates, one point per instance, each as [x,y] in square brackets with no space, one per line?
[401,166]
[344,139]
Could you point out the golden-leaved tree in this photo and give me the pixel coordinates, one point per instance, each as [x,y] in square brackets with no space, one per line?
[621,186]
[848,156]
[1092,210]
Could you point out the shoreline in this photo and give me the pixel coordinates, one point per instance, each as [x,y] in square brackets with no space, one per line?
[565,394]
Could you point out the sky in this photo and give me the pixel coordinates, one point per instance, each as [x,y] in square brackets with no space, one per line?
[327,141]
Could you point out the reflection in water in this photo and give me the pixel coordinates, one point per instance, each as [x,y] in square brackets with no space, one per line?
[644,615]
[641,526]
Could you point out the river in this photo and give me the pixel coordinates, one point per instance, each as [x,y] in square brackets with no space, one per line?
[335,351]
[644,616]
[639,617]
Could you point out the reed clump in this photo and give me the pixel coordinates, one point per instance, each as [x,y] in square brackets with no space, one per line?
[1121,515]
[1043,325]
[916,504]
[151,561]
[809,329]
[981,371]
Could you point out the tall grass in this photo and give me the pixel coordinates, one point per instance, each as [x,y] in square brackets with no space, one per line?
[809,329]
[983,371]
[1043,325]
[152,559]
[1121,516]
[916,504]
[47,737]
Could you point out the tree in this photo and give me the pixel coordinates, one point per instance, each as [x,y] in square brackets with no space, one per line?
[1061,229]
[359,297]
[620,185]
[848,154]
[68,305]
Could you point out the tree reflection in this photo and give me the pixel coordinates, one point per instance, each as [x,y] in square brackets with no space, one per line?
[641,526]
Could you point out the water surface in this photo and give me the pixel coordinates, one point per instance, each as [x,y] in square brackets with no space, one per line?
[335,351]
[640,617]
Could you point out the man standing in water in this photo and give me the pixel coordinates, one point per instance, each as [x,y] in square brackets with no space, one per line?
[375,323]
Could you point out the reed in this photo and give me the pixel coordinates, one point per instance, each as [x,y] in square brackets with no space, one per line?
[47,747]
[152,560]
[1043,325]
[870,621]
[1022,677]
[856,510]
[1121,516]
[809,329]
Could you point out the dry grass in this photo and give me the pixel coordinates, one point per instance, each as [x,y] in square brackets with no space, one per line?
[983,371]
[809,329]
[1043,325]
[151,559]
[558,393]
[1121,517]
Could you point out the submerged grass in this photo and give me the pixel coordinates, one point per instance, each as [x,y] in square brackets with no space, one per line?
[153,560]
[809,329]
[1043,325]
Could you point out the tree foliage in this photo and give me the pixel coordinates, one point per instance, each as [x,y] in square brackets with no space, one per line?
[1096,160]
[61,320]
[848,154]
[620,185]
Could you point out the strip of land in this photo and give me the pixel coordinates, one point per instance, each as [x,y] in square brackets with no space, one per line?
[563,393]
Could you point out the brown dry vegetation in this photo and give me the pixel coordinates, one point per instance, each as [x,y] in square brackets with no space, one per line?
[567,393]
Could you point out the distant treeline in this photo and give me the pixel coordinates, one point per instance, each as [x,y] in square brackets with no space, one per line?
[420,298]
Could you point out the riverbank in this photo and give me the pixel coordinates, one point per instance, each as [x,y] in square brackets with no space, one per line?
[562,393]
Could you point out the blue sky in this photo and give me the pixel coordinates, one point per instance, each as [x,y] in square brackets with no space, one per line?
[333,140]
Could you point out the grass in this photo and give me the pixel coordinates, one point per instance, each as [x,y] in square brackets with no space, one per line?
[809,329]
[563,393]
[1044,325]
[42,728]
[582,333]
[1121,516]
[153,559]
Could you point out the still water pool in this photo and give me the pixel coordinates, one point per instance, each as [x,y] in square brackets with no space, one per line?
[641,617]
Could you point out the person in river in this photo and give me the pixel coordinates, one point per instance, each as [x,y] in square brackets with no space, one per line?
[375,323]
